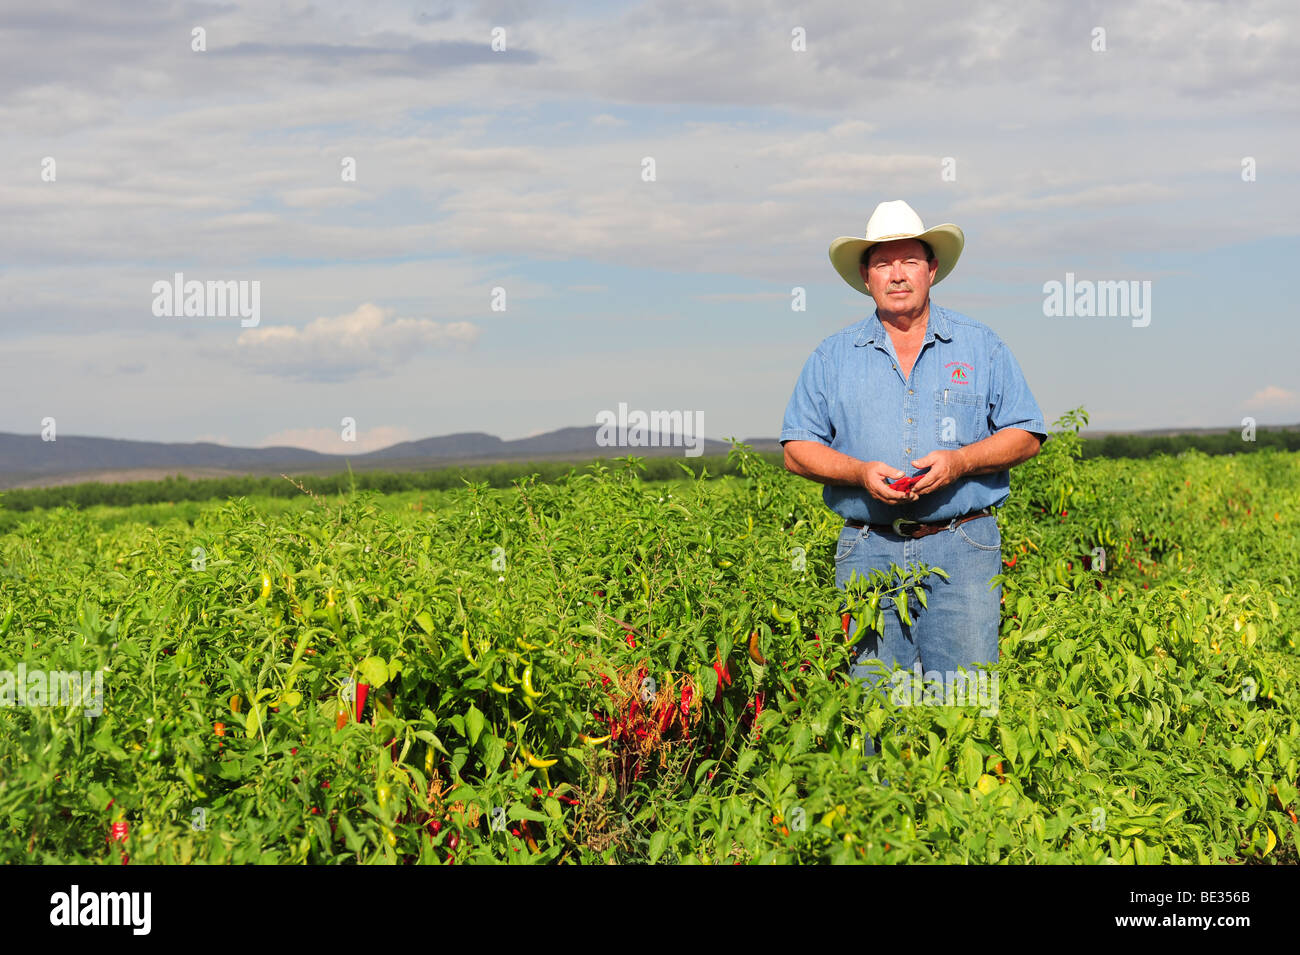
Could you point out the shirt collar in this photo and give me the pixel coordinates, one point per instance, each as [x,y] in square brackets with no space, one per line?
[938,325]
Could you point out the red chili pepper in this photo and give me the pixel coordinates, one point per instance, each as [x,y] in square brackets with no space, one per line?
[724,676]
[118,832]
[362,690]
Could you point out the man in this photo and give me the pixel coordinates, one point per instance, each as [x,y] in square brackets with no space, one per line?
[914,386]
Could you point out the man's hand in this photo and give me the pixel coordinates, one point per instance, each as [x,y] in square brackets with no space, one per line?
[945,468]
[876,478]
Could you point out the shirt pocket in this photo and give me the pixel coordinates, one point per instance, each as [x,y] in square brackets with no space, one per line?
[960,418]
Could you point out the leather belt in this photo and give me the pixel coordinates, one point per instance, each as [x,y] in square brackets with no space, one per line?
[917,529]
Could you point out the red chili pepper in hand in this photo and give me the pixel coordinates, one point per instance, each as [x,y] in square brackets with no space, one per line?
[907,483]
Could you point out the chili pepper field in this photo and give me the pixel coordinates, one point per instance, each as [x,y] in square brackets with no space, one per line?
[604,670]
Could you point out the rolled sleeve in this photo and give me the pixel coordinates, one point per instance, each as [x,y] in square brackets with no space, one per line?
[807,416]
[1011,404]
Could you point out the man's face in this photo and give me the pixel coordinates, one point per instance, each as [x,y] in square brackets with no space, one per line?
[898,276]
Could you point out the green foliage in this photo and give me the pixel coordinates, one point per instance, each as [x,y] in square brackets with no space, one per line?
[1144,714]
[178,489]
[1225,442]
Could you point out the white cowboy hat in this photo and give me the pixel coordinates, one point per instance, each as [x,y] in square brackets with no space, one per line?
[896,220]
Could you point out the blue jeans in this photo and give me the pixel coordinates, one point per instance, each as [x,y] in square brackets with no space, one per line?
[958,628]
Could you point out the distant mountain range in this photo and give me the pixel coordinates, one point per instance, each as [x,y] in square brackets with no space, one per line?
[27,461]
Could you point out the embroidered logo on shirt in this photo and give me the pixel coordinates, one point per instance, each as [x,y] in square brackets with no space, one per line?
[960,372]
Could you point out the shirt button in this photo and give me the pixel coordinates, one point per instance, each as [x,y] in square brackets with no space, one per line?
[910,391]
[909,451]
[909,420]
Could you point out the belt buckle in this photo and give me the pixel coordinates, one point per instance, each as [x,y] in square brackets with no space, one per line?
[900,520]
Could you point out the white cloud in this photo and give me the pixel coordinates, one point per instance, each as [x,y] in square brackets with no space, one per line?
[367,340]
[1271,398]
[174,161]
[1122,195]
[330,440]
[851,127]
[340,195]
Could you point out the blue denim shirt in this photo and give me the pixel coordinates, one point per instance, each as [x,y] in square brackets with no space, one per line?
[965,386]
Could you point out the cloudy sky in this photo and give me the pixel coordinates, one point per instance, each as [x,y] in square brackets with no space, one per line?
[1169,156]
